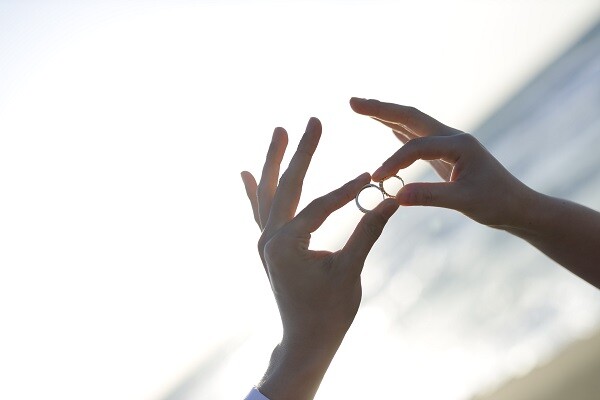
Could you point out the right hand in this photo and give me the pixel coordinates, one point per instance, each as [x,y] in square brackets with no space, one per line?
[318,292]
[476,184]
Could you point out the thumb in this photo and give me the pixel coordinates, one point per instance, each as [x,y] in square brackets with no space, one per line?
[439,194]
[366,234]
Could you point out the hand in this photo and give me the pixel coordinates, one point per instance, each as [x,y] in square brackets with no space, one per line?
[318,292]
[476,184]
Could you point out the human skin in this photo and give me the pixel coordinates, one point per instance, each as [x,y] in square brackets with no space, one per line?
[318,293]
[477,185]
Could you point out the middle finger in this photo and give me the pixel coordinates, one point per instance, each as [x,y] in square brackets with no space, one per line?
[287,195]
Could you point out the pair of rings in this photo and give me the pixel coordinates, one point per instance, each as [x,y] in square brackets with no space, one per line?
[383,188]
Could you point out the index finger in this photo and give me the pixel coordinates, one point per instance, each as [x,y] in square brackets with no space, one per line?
[446,148]
[409,118]
[313,215]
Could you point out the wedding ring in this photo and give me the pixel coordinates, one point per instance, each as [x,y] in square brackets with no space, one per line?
[382,188]
[361,208]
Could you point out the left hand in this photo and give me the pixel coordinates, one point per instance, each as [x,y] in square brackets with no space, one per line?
[476,184]
[318,292]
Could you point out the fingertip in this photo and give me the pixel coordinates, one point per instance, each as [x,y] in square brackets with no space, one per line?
[313,123]
[355,185]
[364,177]
[247,178]
[364,106]
[356,100]
[279,133]
[379,174]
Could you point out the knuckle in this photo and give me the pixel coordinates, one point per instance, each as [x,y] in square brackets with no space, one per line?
[417,145]
[412,114]
[262,242]
[419,195]
[269,249]
[346,194]
[290,179]
[305,151]
[320,205]
[467,140]
[426,196]
[342,195]
[412,111]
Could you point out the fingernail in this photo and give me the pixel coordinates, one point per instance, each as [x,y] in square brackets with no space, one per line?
[378,174]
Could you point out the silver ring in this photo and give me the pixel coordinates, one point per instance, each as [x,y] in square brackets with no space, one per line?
[361,208]
[383,190]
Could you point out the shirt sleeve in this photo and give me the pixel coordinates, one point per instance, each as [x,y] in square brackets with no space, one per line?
[255,395]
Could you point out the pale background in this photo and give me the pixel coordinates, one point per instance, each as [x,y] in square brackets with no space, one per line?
[128,263]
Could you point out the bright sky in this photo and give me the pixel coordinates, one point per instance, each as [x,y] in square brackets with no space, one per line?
[127,246]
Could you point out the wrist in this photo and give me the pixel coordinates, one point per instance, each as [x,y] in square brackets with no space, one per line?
[533,213]
[522,213]
[296,369]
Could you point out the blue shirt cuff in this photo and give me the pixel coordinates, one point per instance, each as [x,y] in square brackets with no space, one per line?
[255,395]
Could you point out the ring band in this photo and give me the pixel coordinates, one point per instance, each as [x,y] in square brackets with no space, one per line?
[361,208]
[383,190]
[379,187]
